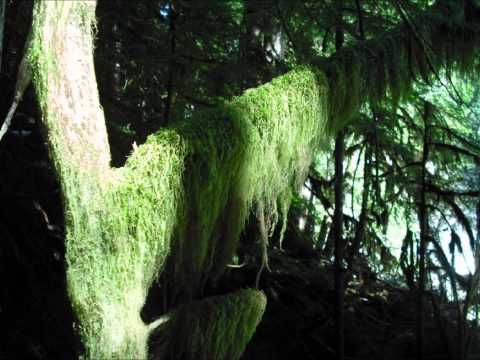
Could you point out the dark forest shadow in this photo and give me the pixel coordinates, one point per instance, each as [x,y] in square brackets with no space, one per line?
[35,312]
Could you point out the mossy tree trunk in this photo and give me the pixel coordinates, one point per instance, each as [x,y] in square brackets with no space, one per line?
[187,191]
[64,78]
[122,223]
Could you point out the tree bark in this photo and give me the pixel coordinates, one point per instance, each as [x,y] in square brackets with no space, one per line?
[362,220]
[172,18]
[337,227]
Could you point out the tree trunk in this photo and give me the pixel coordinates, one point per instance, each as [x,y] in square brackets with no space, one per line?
[122,223]
[423,222]
[172,18]
[337,225]
[362,220]
[337,228]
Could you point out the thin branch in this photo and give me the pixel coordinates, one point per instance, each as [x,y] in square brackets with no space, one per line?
[23,80]
[400,168]
[195,100]
[456,149]
[433,188]
[199,59]
[286,29]
[360,19]
[458,137]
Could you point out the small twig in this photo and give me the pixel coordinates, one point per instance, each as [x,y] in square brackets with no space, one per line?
[23,80]
[160,321]
[236,266]
[264,242]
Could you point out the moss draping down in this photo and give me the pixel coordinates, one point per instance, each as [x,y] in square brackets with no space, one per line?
[248,154]
[193,184]
[186,193]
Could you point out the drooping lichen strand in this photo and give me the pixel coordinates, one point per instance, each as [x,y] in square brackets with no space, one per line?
[445,37]
[215,328]
[246,155]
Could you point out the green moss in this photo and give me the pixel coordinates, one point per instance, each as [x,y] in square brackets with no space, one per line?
[118,241]
[215,328]
[247,155]
[191,186]
[186,192]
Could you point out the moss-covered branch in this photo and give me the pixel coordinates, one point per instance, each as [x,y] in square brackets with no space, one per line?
[185,194]
[246,155]
[216,328]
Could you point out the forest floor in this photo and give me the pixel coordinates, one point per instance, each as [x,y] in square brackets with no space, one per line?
[380,317]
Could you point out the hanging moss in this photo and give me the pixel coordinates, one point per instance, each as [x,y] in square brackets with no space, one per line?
[186,192]
[443,38]
[248,154]
[216,328]
[197,181]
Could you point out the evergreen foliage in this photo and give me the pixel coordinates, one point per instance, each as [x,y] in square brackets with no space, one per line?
[443,37]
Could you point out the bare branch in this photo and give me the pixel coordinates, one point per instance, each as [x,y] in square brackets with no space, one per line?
[23,80]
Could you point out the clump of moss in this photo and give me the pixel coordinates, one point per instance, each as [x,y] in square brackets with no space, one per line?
[247,155]
[117,243]
[215,328]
